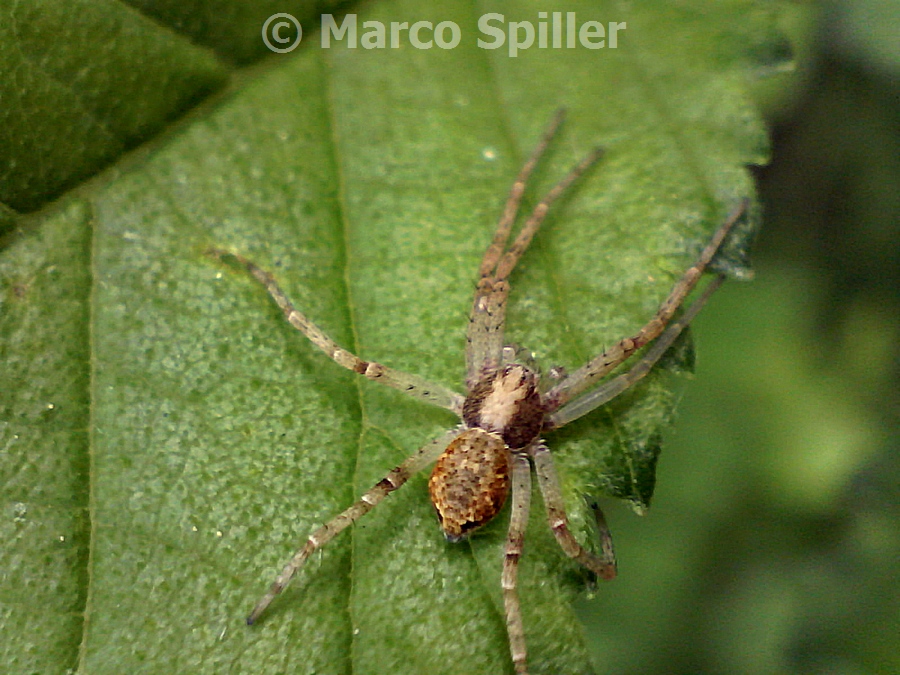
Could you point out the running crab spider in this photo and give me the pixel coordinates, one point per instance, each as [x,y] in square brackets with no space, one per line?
[504,412]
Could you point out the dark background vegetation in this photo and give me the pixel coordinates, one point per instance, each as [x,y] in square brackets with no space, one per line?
[790,565]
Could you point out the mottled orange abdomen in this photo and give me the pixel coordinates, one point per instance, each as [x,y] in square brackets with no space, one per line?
[470,482]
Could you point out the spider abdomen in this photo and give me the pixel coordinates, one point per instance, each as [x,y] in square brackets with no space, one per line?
[507,402]
[470,482]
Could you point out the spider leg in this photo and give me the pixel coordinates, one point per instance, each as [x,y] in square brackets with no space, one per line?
[413,385]
[601,365]
[514,200]
[394,479]
[486,319]
[532,225]
[485,335]
[609,390]
[484,338]
[604,565]
[515,540]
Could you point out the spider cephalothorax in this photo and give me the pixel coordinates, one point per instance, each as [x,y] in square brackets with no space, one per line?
[488,458]
[507,402]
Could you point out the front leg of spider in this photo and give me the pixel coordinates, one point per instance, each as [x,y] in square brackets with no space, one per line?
[478,464]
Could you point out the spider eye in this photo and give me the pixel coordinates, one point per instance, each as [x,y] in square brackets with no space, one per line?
[470,482]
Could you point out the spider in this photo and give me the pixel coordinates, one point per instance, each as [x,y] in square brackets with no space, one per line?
[505,410]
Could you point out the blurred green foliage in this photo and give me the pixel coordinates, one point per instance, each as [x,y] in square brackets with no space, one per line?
[773,543]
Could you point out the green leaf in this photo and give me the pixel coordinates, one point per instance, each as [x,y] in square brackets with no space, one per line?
[45,457]
[368,182]
[89,80]
[231,29]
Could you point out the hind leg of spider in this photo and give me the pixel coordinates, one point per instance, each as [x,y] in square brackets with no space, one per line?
[603,565]
[408,383]
[515,540]
[395,479]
